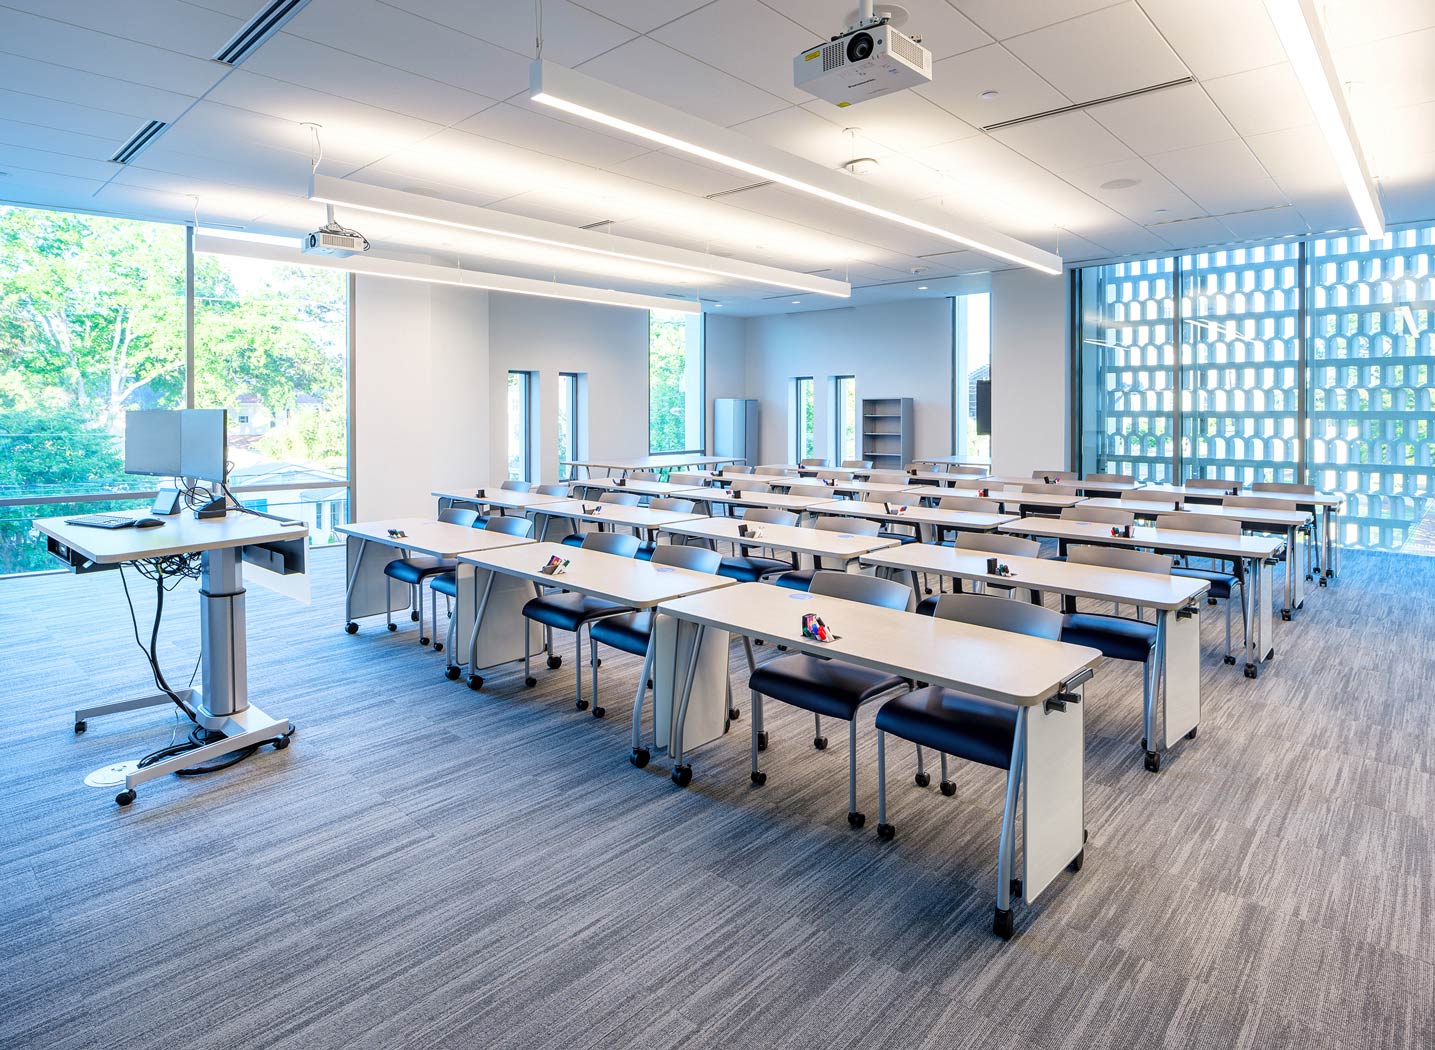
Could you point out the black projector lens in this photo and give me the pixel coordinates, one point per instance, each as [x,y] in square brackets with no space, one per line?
[859,47]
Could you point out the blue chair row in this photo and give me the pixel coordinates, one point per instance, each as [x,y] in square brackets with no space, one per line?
[446,583]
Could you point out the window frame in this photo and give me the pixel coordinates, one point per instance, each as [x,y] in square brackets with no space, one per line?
[702,395]
[798,432]
[571,400]
[525,441]
[839,417]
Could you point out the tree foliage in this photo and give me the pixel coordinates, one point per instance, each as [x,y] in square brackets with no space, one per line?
[668,396]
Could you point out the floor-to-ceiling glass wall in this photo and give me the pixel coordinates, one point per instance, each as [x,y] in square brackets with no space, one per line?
[972,370]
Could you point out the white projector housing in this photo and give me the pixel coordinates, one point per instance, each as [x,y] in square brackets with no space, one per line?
[339,243]
[867,61]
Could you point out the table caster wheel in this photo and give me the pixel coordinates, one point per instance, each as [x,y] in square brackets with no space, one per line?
[414,616]
[1085,834]
[1143,743]
[599,712]
[451,673]
[555,662]
[759,777]
[530,681]
[1016,889]
[280,743]
[124,798]
[1002,924]
[1323,582]
[639,756]
[351,628]
[581,705]
[1077,861]
[1231,660]
[1285,614]
[856,819]
[820,742]
[1153,762]
[1210,601]
[1192,734]
[886,832]
[682,775]
[733,714]
[438,647]
[80,726]
[475,682]
[922,779]
[1250,670]
[393,627]
[423,640]
[762,740]
[948,788]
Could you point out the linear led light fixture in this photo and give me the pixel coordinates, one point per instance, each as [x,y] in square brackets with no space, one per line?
[209,244]
[583,96]
[1298,24]
[384,201]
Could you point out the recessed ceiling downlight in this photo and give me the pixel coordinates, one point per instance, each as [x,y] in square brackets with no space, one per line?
[1120,184]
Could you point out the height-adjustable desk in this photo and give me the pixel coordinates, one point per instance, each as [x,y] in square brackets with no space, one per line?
[221,704]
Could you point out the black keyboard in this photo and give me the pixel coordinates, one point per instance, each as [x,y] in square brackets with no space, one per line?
[102,521]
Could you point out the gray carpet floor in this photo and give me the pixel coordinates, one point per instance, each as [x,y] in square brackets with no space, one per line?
[431,867]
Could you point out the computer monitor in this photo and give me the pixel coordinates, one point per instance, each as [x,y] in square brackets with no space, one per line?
[152,443]
[203,446]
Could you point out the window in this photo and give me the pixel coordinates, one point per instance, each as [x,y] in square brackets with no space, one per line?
[1344,404]
[845,433]
[675,382]
[972,331]
[804,422]
[520,425]
[570,422]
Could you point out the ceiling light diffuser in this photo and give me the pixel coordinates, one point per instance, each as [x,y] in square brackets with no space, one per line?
[1298,25]
[605,104]
[423,208]
[398,269]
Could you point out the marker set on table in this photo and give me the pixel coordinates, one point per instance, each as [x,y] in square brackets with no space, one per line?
[814,628]
[556,566]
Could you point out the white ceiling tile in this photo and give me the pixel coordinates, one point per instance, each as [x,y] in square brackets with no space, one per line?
[534,127]
[980,161]
[903,176]
[902,122]
[1330,212]
[1261,100]
[957,85]
[1390,73]
[1063,142]
[255,168]
[66,116]
[383,33]
[65,84]
[1294,151]
[1078,249]
[1103,53]
[1164,120]
[944,30]
[1412,200]
[802,132]
[46,188]
[1402,142]
[744,38]
[1360,21]
[32,136]
[1195,233]
[16,158]
[1117,238]
[571,34]
[642,15]
[1207,170]
[177,27]
[656,71]
[664,168]
[1007,18]
[1217,37]
[1239,195]
[1268,222]
[1151,199]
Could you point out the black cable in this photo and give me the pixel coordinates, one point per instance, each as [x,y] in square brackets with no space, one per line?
[159,679]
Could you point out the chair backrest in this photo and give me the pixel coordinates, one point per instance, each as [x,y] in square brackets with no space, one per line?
[1142,496]
[517,486]
[811,491]
[698,559]
[1000,614]
[971,503]
[1110,479]
[1118,558]
[888,477]
[695,480]
[1283,486]
[623,499]
[776,471]
[1056,475]
[1219,484]
[643,475]
[769,516]
[552,490]
[512,525]
[998,543]
[856,526]
[858,588]
[1255,502]
[458,515]
[619,543]
[750,486]
[1188,521]
[1101,515]
[1056,490]
[672,503]
[812,462]
[860,464]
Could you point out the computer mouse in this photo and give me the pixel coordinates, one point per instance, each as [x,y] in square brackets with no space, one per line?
[148,523]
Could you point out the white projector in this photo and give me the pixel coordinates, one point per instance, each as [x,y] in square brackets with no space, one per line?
[868,60]
[334,240]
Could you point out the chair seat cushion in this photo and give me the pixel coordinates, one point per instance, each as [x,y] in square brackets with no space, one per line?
[953,723]
[567,611]
[893,534]
[1223,584]
[419,567]
[646,549]
[796,580]
[628,632]
[573,539]
[747,569]
[445,583]
[1116,636]
[827,687]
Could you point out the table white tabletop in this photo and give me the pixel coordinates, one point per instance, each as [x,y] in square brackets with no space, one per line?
[441,539]
[493,496]
[1004,497]
[626,581]
[998,665]
[794,538]
[614,514]
[641,486]
[881,489]
[739,498]
[1319,499]
[1285,519]
[914,515]
[1212,543]
[660,462]
[181,533]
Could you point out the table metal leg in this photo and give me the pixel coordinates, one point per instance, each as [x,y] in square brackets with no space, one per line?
[475,680]
[640,754]
[1006,846]
[682,773]
[349,624]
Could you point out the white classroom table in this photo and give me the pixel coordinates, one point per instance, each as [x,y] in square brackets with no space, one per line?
[951,461]
[493,496]
[1175,599]
[1255,552]
[365,590]
[1010,502]
[739,498]
[1042,678]
[1083,487]
[670,461]
[794,539]
[633,584]
[641,486]
[640,519]
[932,522]
[879,489]
[1289,522]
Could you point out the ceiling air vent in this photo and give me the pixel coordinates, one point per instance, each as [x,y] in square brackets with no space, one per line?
[261,27]
[139,141]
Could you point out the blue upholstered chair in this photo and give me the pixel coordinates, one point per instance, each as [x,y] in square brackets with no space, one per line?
[749,568]
[621,499]
[446,583]
[416,569]
[801,579]
[828,687]
[988,543]
[672,503]
[570,611]
[1224,577]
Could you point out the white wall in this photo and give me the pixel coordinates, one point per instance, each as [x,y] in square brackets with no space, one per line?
[725,340]
[1031,392]
[420,381]
[894,349]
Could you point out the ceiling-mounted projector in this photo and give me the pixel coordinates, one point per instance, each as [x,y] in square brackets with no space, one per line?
[333,240]
[870,58]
